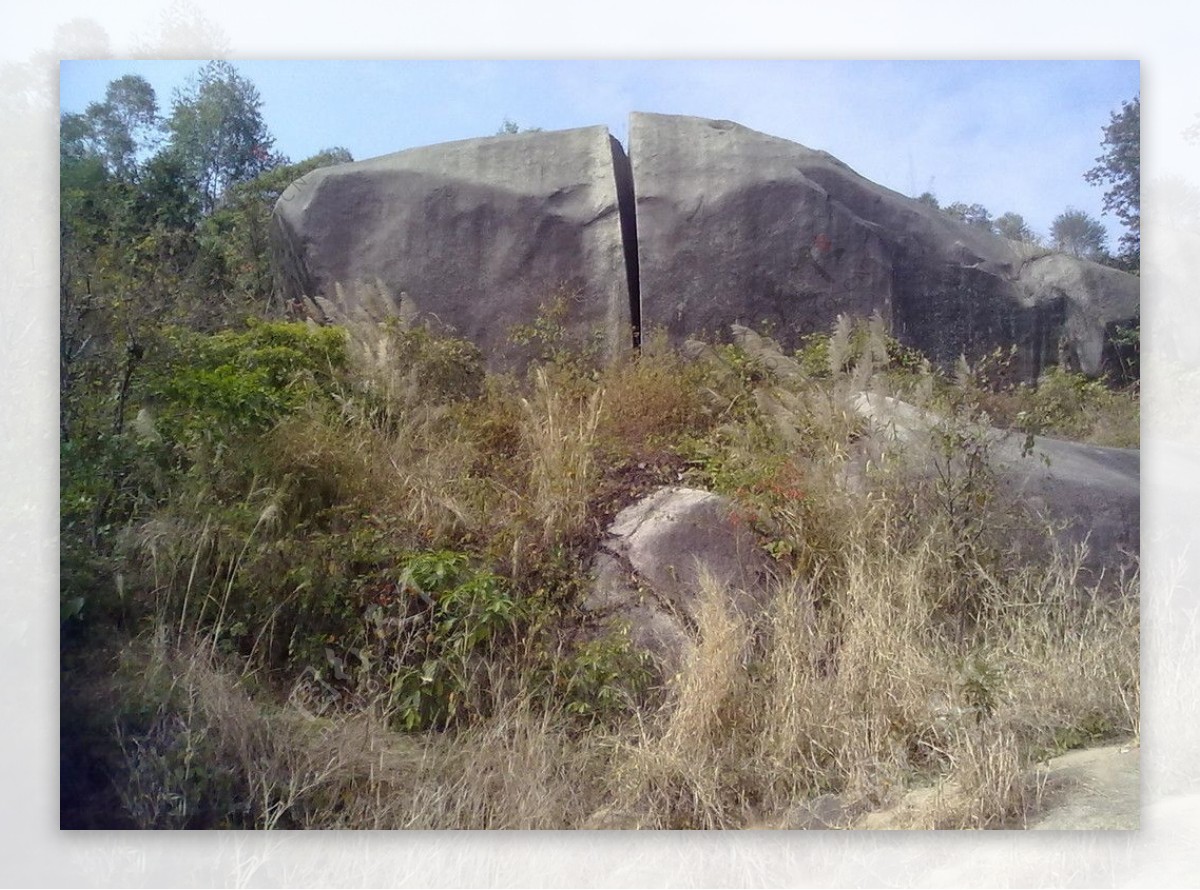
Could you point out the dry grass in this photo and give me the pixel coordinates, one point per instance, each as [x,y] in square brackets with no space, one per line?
[559,435]
[870,696]
[889,657]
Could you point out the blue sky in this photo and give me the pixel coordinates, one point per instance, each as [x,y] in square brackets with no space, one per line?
[1009,135]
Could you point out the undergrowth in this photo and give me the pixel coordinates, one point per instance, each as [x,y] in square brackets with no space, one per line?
[342,567]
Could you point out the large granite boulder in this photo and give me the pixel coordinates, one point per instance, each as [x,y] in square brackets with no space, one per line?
[735,226]
[476,234]
[711,224]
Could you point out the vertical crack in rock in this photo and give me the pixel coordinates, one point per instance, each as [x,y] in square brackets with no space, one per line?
[711,224]
[623,172]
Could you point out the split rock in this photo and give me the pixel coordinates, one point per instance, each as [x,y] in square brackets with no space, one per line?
[477,235]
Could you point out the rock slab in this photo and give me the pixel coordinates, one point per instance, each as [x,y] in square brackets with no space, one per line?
[477,235]
[706,224]
[1091,495]
[738,227]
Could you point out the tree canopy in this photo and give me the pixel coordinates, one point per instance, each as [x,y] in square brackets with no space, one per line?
[972,214]
[217,130]
[1119,167]
[1013,226]
[1075,232]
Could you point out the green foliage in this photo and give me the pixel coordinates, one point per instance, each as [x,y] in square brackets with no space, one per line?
[217,131]
[234,238]
[442,369]
[981,686]
[1070,405]
[1126,342]
[602,679]
[551,341]
[1120,168]
[467,609]
[116,130]
[1077,233]
[855,342]
[241,380]
[510,128]
[972,214]
[1013,226]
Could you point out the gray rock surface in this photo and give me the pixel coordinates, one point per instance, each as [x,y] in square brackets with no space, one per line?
[476,234]
[1090,494]
[735,226]
[707,224]
[732,229]
[652,564]
[1095,788]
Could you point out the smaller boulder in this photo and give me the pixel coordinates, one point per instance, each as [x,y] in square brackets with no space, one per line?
[655,560]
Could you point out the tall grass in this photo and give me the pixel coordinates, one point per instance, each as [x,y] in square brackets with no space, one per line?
[904,644]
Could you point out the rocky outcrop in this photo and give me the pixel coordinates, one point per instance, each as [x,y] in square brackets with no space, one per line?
[477,234]
[712,224]
[656,560]
[732,230]
[1086,494]
[735,226]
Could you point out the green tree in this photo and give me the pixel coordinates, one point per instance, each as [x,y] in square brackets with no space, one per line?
[511,127]
[929,199]
[116,130]
[1120,168]
[235,244]
[972,214]
[1075,232]
[217,130]
[1013,226]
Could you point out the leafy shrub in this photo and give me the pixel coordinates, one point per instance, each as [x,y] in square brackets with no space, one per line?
[467,609]
[602,679]
[234,381]
[554,344]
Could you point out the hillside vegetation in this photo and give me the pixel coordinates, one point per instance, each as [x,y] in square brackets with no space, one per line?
[329,577]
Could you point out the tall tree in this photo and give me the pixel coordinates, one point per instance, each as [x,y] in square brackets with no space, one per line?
[1120,168]
[972,214]
[217,130]
[234,238]
[117,130]
[1075,232]
[1013,226]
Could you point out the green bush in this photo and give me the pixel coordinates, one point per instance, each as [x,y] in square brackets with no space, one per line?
[466,608]
[603,678]
[237,381]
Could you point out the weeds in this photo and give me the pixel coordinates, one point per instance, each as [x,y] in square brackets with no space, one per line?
[353,602]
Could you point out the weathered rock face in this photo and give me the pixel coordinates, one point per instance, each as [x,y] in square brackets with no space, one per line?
[651,566]
[732,230]
[477,234]
[712,224]
[735,226]
[1090,495]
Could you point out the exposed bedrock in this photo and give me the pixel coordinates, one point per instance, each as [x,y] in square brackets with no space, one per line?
[705,225]
[1087,494]
[659,557]
[476,235]
[738,227]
